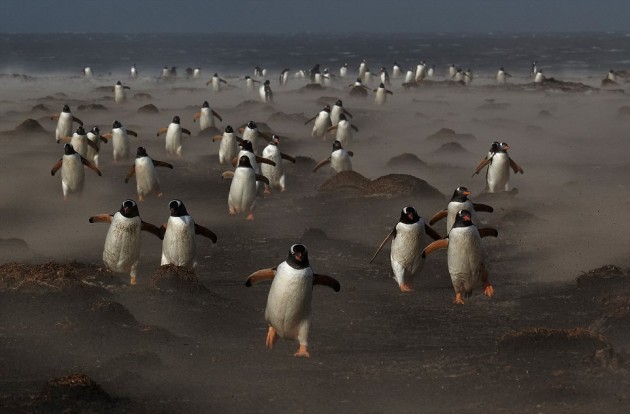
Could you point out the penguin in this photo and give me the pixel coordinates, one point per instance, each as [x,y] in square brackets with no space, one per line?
[229,145]
[468,76]
[284,76]
[339,159]
[166,74]
[384,76]
[251,133]
[322,122]
[196,73]
[502,76]
[242,195]
[367,78]
[266,95]
[396,71]
[72,172]
[408,238]
[147,181]
[326,78]
[468,262]
[249,83]
[458,76]
[173,140]
[258,72]
[95,136]
[254,160]
[288,311]
[274,173]
[410,77]
[64,123]
[362,69]
[206,117]
[534,69]
[431,71]
[120,140]
[539,78]
[119,92]
[452,70]
[421,71]
[358,89]
[344,130]
[179,246]
[188,72]
[458,202]
[381,94]
[343,71]
[80,142]
[499,164]
[87,73]
[336,111]
[172,73]
[216,82]
[133,72]
[315,74]
[122,243]
[612,76]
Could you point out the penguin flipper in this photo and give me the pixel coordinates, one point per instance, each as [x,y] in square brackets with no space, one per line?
[287,157]
[515,167]
[439,216]
[436,245]
[487,232]
[102,138]
[261,160]
[131,132]
[355,128]
[350,153]
[101,218]
[483,207]
[160,131]
[432,233]
[77,120]
[217,116]
[206,232]
[185,131]
[312,119]
[217,138]
[106,136]
[262,178]
[162,164]
[329,281]
[347,112]
[57,166]
[93,145]
[90,166]
[196,116]
[332,128]
[151,229]
[321,164]
[389,92]
[387,238]
[264,274]
[481,165]
[228,174]
[131,173]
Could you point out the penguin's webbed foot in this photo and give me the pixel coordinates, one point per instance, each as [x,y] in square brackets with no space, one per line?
[406,287]
[458,299]
[302,352]
[272,337]
[267,190]
[283,189]
[132,280]
[250,217]
[488,290]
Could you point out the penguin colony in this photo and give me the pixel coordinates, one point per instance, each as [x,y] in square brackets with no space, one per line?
[258,163]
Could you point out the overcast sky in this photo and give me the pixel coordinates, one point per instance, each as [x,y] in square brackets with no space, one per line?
[331,16]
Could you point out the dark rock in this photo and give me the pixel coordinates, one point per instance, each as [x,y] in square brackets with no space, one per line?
[148,109]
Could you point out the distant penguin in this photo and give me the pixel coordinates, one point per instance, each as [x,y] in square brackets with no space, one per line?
[206,117]
[612,76]
[274,173]
[431,71]
[72,171]
[458,76]
[396,71]
[468,262]
[122,243]
[251,133]
[343,71]
[336,111]
[242,195]
[326,78]
[362,69]
[468,76]
[408,240]
[120,141]
[179,246]
[343,130]
[95,136]
[539,78]
[284,76]
[64,123]
[381,93]
[196,73]
[339,159]
[173,141]
[258,72]
[87,73]
[534,69]
[315,74]
[502,76]
[216,82]
[459,201]
[119,92]
[452,70]
[266,95]
[166,73]
[384,76]
[228,148]
[133,72]
[147,181]
[358,89]
[288,311]
[367,78]
[322,122]
[250,83]
[499,164]
[421,71]
[410,77]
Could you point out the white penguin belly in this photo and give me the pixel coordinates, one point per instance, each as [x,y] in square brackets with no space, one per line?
[406,248]
[147,181]
[467,258]
[344,133]
[498,175]
[206,120]
[64,126]
[381,96]
[228,148]
[273,173]
[242,196]
[72,174]
[80,145]
[119,94]
[334,114]
[179,245]
[340,161]
[120,144]
[322,122]
[91,152]
[174,139]
[122,243]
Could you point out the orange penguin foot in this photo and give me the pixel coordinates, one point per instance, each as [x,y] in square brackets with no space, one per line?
[488,290]
[232,212]
[283,190]
[250,217]
[140,198]
[458,299]
[267,190]
[132,280]
[406,287]
[272,337]
[302,352]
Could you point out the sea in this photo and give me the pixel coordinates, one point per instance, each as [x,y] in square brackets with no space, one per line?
[566,56]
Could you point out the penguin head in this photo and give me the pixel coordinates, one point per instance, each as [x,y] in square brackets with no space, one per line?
[345,65]
[337,145]
[342,117]
[326,108]
[95,130]
[176,119]
[461,194]
[494,147]
[215,75]
[339,103]
[463,219]
[228,129]
[68,149]
[251,125]
[177,208]
[409,215]
[141,152]
[247,145]
[359,80]
[116,124]
[129,209]
[382,85]
[205,104]
[65,108]
[298,257]
[244,162]
[275,140]
[80,131]
[267,82]
[119,83]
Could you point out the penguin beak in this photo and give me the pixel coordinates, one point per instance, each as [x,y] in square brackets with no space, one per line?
[466,218]
[410,216]
[467,193]
[298,256]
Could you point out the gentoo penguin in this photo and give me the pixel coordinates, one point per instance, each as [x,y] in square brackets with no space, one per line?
[367,77]
[498,174]
[216,82]
[173,142]
[539,78]
[315,74]
[534,69]
[196,73]
[133,72]
[258,72]
[242,196]
[284,76]
[336,111]
[384,76]
[251,133]
[254,160]
[396,71]
[179,246]
[249,83]
[119,92]
[612,76]
[502,76]
[288,311]
[343,71]
[122,243]
[64,123]
[206,117]
[80,142]
[344,130]
[381,94]
[458,202]
[147,181]
[166,74]
[358,89]
[431,71]
[322,122]
[458,76]
[274,173]
[362,69]
[468,76]
[228,148]
[421,71]
[408,238]
[452,70]
[120,140]
[339,159]
[266,95]
[95,136]
[468,262]
[327,78]
[72,172]
[87,72]
[410,77]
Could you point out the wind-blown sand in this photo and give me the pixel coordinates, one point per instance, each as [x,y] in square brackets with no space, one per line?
[553,339]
